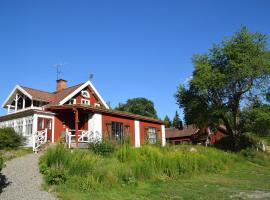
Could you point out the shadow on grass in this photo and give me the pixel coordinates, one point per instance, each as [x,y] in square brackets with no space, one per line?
[3,182]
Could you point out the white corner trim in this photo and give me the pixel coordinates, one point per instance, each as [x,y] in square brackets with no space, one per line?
[17,87]
[163,135]
[137,133]
[88,83]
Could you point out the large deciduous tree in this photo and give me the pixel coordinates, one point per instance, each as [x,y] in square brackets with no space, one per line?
[139,106]
[224,79]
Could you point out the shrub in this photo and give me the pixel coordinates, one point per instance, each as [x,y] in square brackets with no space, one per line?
[243,141]
[10,139]
[104,148]
[1,163]
[55,176]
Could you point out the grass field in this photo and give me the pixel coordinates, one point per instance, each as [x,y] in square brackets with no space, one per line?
[242,178]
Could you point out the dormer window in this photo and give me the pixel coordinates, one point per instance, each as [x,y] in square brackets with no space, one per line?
[85,102]
[72,101]
[85,94]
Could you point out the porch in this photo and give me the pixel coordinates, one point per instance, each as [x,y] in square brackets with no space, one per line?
[77,125]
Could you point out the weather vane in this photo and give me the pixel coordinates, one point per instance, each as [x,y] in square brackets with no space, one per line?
[91,77]
[58,72]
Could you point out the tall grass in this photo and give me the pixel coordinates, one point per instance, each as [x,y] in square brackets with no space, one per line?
[84,170]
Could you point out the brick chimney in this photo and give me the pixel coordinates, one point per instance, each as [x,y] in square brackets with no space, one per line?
[61,85]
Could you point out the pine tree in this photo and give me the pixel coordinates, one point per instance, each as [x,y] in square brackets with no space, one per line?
[176,121]
[167,122]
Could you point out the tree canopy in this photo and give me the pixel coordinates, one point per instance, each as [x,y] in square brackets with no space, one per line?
[225,78]
[177,123]
[140,106]
[167,121]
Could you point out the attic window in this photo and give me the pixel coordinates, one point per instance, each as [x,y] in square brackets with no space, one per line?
[85,102]
[85,94]
[72,101]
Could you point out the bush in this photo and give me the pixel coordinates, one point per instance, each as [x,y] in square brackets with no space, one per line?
[55,176]
[104,148]
[243,141]
[1,163]
[10,139]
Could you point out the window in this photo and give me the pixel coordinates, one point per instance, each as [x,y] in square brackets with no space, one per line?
[152,135]
[97,105]
[40,123]
[85,94]
[117,130]
[19,123]
[72,101]
[85,102]
[28,126]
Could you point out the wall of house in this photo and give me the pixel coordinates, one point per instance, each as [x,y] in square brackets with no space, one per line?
[93,98]
[23,125]
[216,137]
[107,118]
[144,126]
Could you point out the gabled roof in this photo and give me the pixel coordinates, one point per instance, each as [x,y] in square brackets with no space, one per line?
[53,98]
[39,95]
[185,132]
[81,87]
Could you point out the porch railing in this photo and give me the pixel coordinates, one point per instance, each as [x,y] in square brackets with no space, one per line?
[39,138]
[84,136]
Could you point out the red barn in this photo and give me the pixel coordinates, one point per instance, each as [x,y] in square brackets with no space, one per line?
[77,114]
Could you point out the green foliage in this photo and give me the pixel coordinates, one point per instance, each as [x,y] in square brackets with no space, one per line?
[1,163]
[167,121]
[236,68]
[104,148]
[10,139]
[139,106]
[177,123]
[243,141]
[256,118]
[85,171]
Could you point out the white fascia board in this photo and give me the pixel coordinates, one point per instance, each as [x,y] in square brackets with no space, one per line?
[88,83]
[17,87]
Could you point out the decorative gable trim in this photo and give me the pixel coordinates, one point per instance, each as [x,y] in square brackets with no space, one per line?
[17,87]
[88,83]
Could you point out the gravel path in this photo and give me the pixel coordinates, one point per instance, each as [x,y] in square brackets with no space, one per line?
[23,180]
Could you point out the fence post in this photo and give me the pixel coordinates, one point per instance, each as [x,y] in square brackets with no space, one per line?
[46,131]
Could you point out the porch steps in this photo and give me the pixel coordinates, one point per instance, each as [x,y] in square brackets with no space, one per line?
[81,145]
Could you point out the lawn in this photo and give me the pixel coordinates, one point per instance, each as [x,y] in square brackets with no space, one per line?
[239,178]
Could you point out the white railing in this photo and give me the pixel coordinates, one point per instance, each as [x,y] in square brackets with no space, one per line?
[39,138]
[84,136]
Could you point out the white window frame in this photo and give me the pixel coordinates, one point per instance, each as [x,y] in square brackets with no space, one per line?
[152,135]
[85,94]
[85,102]
[72,101]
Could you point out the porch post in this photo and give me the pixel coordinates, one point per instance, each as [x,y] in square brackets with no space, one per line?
[76,126]
[24,102]
[16,102]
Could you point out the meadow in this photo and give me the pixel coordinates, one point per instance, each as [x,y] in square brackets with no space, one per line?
[152,172]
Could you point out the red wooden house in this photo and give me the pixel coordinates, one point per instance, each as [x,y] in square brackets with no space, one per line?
[77,114]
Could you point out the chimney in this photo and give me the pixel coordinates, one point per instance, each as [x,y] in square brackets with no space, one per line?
[61,85]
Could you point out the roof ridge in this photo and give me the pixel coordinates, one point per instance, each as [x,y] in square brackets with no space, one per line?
[55,92]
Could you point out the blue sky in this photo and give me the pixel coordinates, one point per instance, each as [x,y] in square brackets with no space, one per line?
[134,48]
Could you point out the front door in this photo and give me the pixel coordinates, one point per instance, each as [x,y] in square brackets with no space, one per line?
[45,123]
[83,121]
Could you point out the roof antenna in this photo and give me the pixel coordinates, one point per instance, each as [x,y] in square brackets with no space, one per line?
[91,77]
[58,72]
